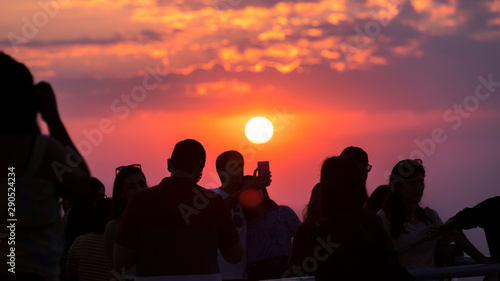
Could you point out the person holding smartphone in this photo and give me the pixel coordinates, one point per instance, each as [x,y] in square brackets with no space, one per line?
[230,168]
[271,228]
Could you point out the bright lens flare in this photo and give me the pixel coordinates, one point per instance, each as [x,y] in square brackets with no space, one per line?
[259,130]
[250,199]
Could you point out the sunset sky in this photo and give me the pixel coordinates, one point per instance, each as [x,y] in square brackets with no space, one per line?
[401,79]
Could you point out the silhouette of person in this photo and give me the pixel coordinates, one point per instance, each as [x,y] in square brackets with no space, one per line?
[35,180]
[271,228]
[360,157]
[378,198]
[413,230]
[129,179]
[87,257]
[230,168]
[487,216]
[351,243]
[96,191]
[172,231]
[79,217]
[303,242]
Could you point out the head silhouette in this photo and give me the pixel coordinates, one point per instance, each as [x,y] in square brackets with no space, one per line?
[406,187]
[19,110]
[124,186]
[96,190]
[378,198]
[358,156]
[404,170]
[101,214]
[311,212]
[189,157]
[229,166]
[342,187]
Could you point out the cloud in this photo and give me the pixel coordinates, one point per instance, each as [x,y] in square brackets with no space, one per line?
[325,48]
[287,35]
[219,89]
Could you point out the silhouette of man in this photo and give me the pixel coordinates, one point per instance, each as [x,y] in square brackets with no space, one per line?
[487,216]
[38,169]
[172,231]
[360,157]
[229,166]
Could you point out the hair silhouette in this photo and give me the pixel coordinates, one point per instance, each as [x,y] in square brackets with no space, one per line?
[343,187]
[119,203]
[310,214]
[394,207]
[224,158]
[95,186]
[225,168]
[378,198]
[188,155]
[80,218]
[101,214]
[356,154]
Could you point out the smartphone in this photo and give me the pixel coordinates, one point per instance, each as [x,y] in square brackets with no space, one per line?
[263,167]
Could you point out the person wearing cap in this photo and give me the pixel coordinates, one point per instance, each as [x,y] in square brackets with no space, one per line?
[360,157]
[172,231]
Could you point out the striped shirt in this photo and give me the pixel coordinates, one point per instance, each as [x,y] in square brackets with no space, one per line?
[88,256]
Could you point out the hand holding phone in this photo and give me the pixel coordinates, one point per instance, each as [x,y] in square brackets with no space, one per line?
[263,178]
[263,167]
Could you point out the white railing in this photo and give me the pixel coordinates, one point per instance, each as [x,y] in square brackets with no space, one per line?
[465,268]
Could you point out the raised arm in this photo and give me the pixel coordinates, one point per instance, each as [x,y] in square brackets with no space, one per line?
[63,163]
[257,182]
[50,114]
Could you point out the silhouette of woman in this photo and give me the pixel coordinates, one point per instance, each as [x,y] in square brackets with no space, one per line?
[270,230]
[413,229]
[358,247]
[128,180]
[378,198]
[303,242]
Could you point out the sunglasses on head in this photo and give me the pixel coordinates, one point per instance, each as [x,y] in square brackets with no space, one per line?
[118,169]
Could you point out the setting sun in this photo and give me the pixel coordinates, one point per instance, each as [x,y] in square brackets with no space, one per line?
[259,130]
[400,79]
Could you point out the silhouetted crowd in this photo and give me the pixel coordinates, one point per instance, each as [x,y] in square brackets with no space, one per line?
[178,230]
